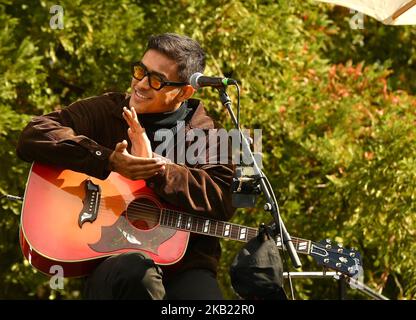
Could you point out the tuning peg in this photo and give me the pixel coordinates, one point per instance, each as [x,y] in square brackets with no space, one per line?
[340,245]
[328,241]
[328,246]
[338,265]
[352,254]
[340,250]
[326,260]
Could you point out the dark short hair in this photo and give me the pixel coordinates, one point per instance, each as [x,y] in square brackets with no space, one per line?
[187,53]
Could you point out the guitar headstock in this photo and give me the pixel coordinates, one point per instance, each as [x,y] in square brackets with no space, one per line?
[336,257]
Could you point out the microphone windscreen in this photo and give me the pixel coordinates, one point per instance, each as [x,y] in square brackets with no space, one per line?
[193,80]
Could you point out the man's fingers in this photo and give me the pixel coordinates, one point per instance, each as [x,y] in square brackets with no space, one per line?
[147,167]
[134,117]
[121,146]
[131,119]
[147,171]
[127,117]
[138,161]
[145,175]
[133,113]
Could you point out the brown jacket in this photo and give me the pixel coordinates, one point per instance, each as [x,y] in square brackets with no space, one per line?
[82,136]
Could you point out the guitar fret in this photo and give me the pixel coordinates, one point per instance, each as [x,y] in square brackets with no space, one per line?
[206,226]
[234,231]
[220,229]
[168,220]
[211,227]
[278,241]
[173,220]
[226,230]
[165,217]
[162,216]
[236,235]
[183,221]
[200,225]
[178,224]
[251,233]
[196,224]
[303,245]
[243,233]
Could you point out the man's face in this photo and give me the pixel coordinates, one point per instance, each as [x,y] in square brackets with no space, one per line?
[145,99]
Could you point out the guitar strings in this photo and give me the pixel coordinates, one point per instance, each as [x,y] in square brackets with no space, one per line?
[168,213]
[157,210]
[148,212]
[150,215]
[152,210]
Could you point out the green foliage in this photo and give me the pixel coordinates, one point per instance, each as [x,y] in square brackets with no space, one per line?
[338,137]
[376,43]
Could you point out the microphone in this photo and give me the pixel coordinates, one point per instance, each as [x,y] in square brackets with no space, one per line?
[198,80]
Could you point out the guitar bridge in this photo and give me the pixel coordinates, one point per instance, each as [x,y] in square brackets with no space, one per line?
[91,203]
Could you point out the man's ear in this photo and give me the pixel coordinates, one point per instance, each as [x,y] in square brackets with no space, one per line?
[186,92]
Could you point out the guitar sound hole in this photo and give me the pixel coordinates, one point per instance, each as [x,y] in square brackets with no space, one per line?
[143,213]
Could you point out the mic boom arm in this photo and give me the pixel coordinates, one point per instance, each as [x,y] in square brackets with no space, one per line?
[273,207]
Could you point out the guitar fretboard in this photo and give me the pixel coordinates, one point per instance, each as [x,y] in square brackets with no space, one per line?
[220,229]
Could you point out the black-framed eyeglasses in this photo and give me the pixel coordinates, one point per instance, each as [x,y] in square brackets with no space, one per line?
[139,71]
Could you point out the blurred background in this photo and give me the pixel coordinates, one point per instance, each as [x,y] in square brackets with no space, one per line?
[336,105]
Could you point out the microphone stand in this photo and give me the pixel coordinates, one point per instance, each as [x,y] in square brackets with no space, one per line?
[270,205]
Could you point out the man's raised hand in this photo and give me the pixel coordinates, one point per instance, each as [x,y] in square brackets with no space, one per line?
[140,143]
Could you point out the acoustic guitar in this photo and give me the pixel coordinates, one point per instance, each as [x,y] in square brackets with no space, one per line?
[75,221]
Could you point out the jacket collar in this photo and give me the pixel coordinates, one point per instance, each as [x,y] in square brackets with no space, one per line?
[199,119]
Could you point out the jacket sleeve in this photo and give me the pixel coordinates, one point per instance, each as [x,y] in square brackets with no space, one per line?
[204,191]
[61,138]
[201,189]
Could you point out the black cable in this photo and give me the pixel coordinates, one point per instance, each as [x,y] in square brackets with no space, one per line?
[238,105]
[284,255]
[269,187]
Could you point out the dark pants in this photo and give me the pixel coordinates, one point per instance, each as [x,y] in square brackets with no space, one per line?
[134,276]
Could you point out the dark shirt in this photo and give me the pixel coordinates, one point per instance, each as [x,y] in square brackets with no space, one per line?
[82,137]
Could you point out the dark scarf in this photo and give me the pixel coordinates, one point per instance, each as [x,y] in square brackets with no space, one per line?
[152,122]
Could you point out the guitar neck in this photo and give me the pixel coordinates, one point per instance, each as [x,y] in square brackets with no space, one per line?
[220,229]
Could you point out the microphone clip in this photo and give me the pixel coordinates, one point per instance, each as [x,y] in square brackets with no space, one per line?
[245,187]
